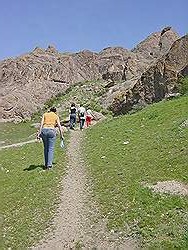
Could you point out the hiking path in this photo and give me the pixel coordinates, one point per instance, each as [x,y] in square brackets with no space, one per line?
[77,223]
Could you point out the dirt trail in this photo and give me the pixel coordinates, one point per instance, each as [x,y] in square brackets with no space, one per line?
[19,144]
[74,224]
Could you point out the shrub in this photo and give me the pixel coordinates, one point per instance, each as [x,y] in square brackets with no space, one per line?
[183,86]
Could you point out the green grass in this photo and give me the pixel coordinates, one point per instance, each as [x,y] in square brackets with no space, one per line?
[147,146]
[87,93]
[13,133]
[28,194]
[183,86]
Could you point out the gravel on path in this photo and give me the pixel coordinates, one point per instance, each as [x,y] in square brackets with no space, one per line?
[74,221]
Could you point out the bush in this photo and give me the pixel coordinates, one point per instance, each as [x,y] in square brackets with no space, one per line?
[183,86]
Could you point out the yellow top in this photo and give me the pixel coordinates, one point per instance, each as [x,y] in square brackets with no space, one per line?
[50,120]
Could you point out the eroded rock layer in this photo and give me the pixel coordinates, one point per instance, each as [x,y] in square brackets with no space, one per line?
[140,76]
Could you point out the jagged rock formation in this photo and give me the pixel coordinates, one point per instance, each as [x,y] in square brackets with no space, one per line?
[28,81]
[156,44]
[158,80]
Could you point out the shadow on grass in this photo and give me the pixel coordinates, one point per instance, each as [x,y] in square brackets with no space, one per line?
[33,167]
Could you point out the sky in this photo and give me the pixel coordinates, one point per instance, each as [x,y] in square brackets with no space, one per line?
[75,25]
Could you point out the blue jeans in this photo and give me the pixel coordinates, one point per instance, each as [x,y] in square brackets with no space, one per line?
[72,120]
[48,137]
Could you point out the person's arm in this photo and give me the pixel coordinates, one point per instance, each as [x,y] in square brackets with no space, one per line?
[60,128]
[41,126]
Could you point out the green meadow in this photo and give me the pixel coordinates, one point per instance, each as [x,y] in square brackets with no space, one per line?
[122,154]
[28,195]
[126,152]
[13,133]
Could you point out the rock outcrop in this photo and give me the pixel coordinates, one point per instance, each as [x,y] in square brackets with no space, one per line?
[156,44]
[157,81]
[140,76]
[27,82]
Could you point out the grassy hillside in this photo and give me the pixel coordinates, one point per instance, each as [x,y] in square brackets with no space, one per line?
[28,194]
[87,93]
[123,154]
[14,133]
[145,147]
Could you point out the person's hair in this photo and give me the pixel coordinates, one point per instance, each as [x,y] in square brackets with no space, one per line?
[53,109]
[73,104]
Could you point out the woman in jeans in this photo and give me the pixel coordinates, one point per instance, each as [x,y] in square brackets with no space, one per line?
[47,132]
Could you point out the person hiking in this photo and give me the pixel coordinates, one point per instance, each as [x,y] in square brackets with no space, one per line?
[47,132]
[89,117]
[72,112]
[82,116]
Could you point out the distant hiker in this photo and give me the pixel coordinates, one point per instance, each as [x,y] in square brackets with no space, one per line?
[47,132]
[72,112]
[89,117]
[82,116]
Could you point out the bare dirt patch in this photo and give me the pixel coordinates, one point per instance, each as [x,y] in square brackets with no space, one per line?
[170,187]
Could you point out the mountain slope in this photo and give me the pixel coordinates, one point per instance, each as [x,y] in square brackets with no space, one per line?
[28,81]
[128,154]
[157,80]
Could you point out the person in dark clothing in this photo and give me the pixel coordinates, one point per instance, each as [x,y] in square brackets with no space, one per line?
[72,112]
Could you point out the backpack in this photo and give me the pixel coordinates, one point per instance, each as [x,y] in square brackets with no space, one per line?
[82,114]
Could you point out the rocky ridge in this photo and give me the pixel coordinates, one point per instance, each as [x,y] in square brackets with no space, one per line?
[155,82]
[140,76]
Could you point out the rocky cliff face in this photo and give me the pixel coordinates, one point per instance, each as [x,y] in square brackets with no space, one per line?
[28,81]
[157,81]
[156,44]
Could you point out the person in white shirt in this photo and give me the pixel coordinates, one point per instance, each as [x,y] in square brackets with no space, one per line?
[89,117]
[82,116]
